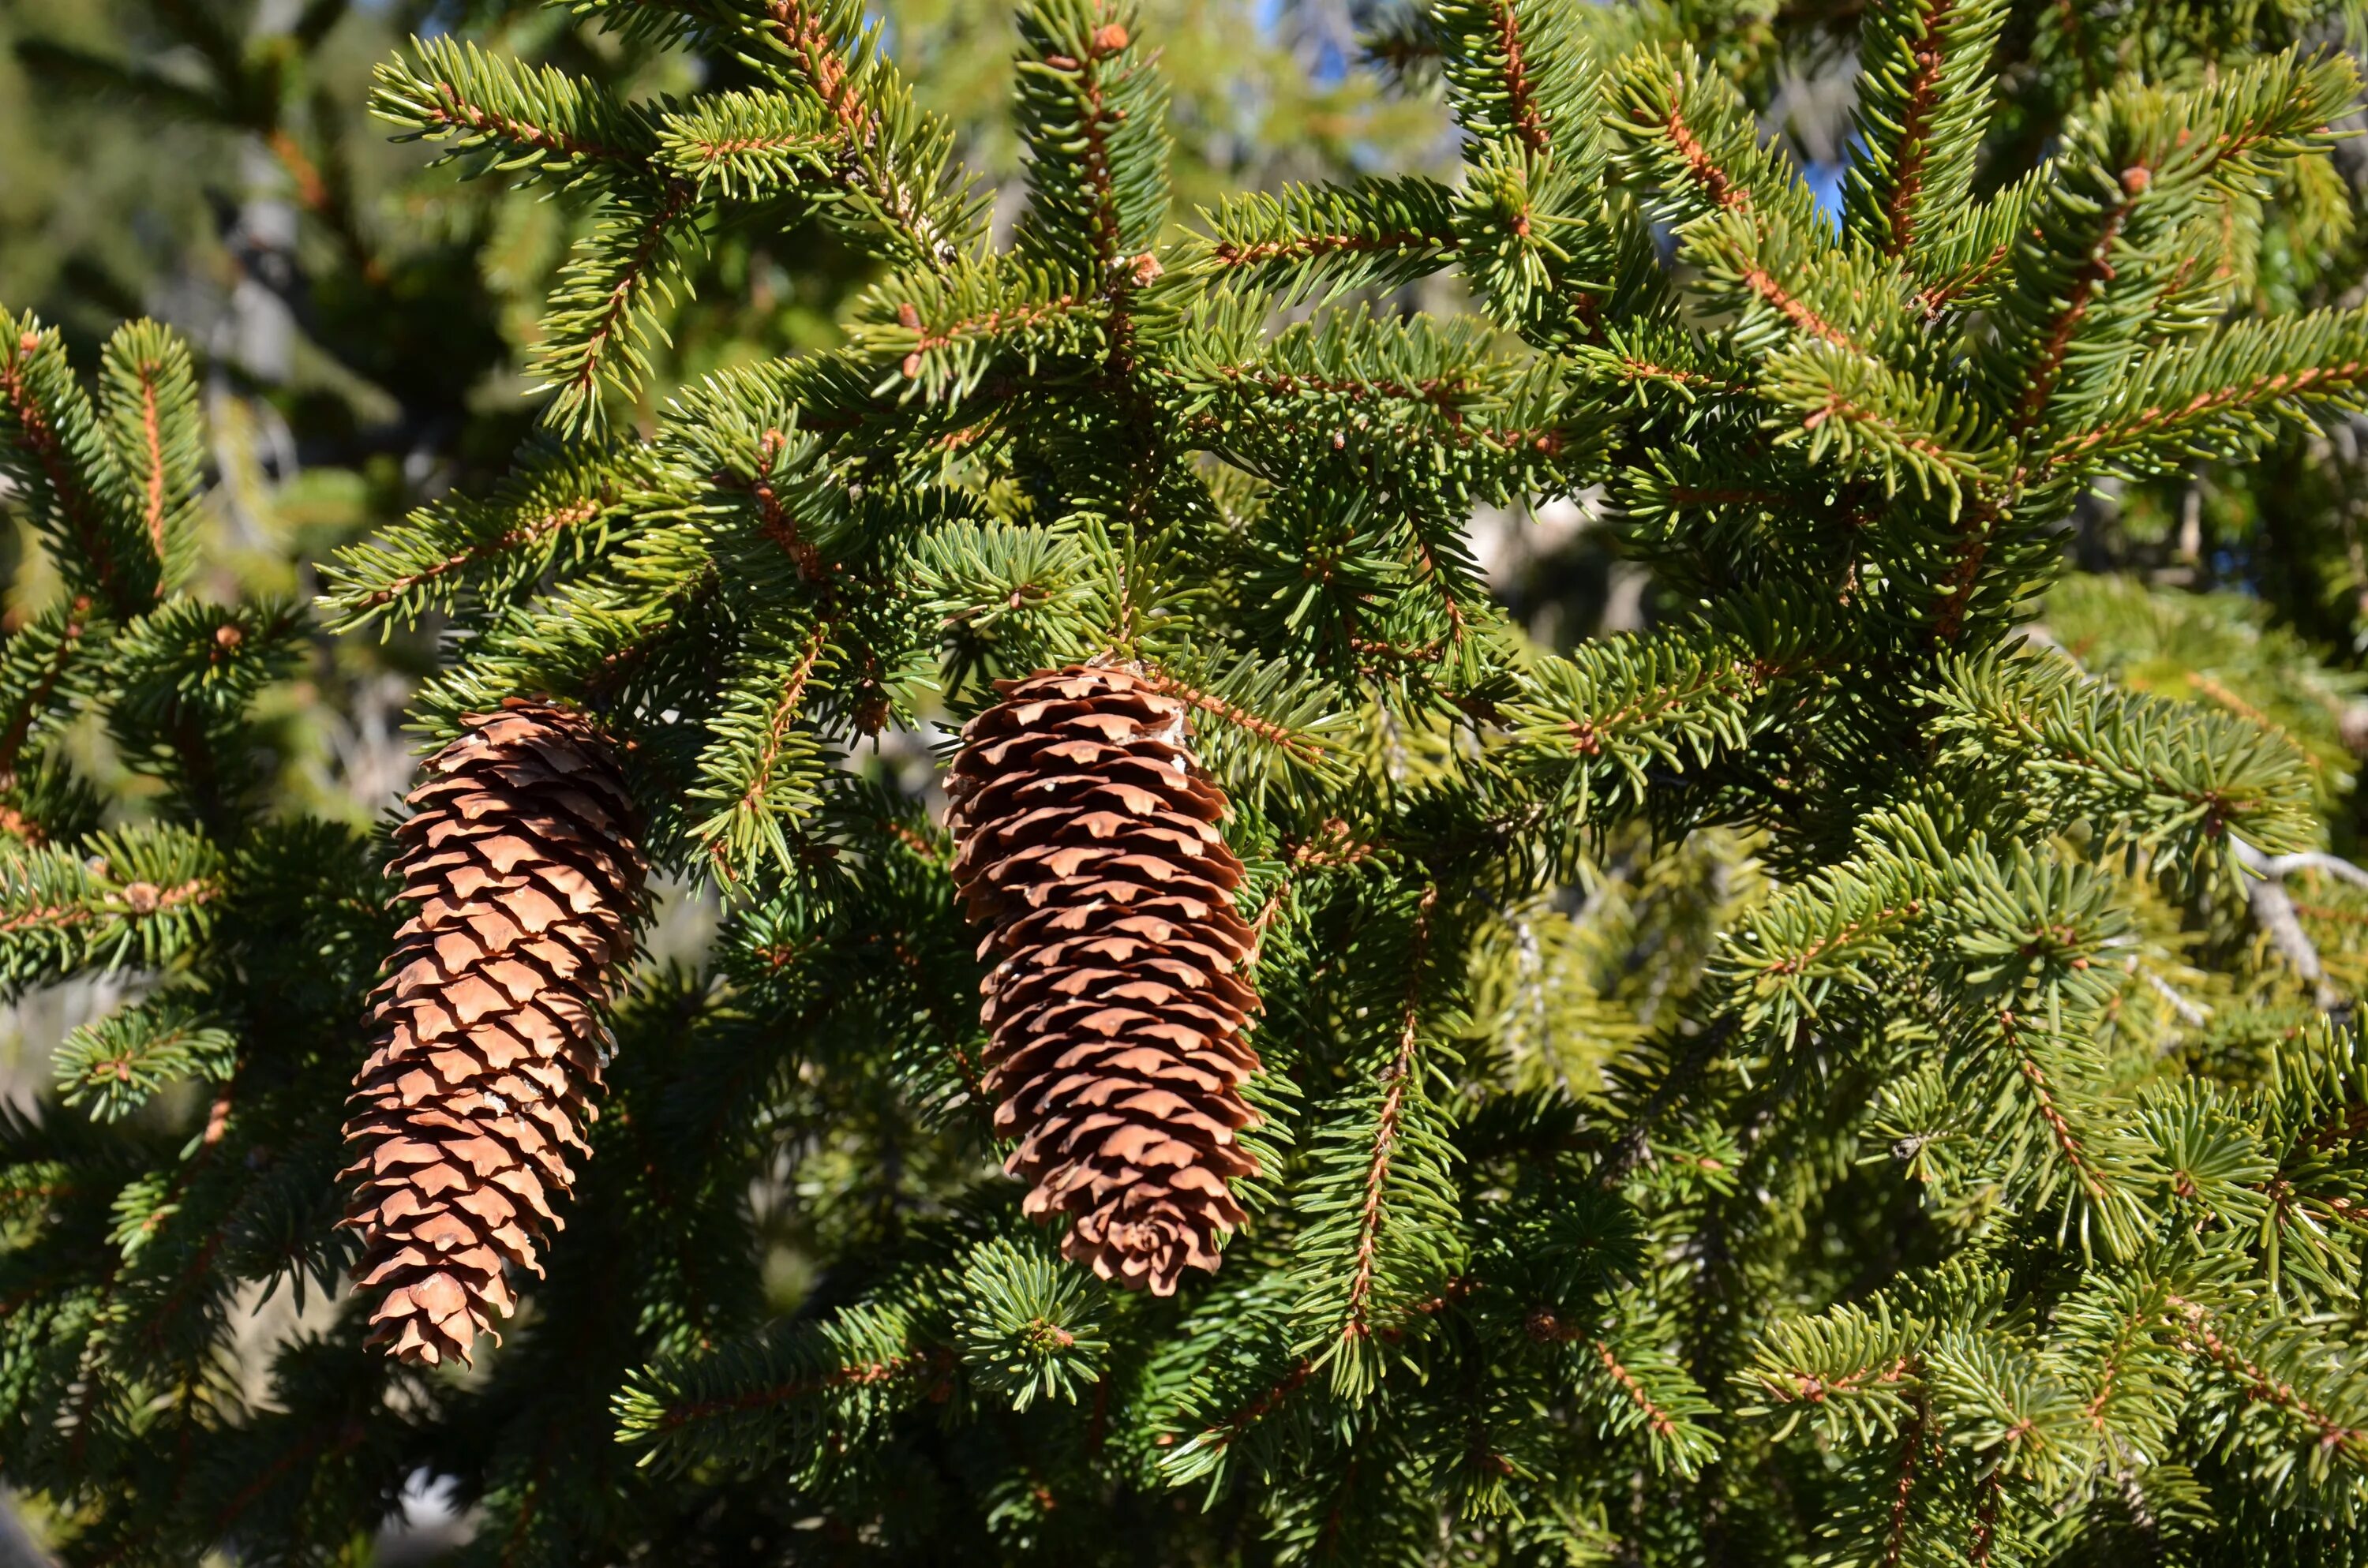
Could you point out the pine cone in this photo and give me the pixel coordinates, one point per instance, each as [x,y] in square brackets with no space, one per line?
[1089,844]
[521,858]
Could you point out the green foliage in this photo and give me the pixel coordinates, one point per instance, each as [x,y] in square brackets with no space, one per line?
[1331,240]
[1919,124]
[1821,1077]
[99,496]
[117,1064]
[1032,1328]
[140,897]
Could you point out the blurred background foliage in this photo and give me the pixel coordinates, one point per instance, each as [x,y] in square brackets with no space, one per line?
[361,319]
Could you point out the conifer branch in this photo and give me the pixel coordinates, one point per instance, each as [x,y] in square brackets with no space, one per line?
[1316,243]
[758,746]
[454,113]
[1691,382]
[1396,1078]
[2211,396]
[1923,93]
[1919,117]
[1662,1423]
[1520,92]
[1911,1449]
[1301,746]
[500,115]
[64,629]
[153,481]
[882,162]
[1797,312]
[532,531]
[947,331]
[2067,1141]
[1514,74]
[748,145]
[51,436]
[550,510]
[805,38]
[2257,1384]
[1093,114]
[1943,292]
[1817,869]
[595,323]
[2088,279]
[1684,134]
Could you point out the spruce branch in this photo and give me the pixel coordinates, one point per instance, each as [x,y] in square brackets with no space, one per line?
[116,1064]
[2183,785]
[1490,426]
[54,447]
[761,767]
[1380,1207]
[887,160]
[148,399]
[1681,133]
[1030,1330]
[1398,1080]
[546,513]
[37,669]
[608,303]
[2101,249]
[811,37]
[1642,1387]
[1600,726]
[1813,945]
[1266,721]
[1647,360]
[1867,417]
[943,331]
[816,1391]
[141,898]
[504,117]
[748,145]
[1515,70]
[2221,396]
[1314,243]
[1095,123]
[1921,111]
[1840,931]
[2293,1416]
[2077,1159]
[1854,1371]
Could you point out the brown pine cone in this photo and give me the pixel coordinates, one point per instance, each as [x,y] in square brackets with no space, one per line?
[522,861]
[1088,842]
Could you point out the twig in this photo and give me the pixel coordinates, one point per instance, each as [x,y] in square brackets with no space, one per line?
[2191,1012]
[2283,866]
[2273,908]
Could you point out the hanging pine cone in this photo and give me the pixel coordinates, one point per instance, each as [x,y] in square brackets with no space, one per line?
[1088,842]
[522,862]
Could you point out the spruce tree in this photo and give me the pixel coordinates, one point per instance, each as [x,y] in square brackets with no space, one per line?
[1837,1076]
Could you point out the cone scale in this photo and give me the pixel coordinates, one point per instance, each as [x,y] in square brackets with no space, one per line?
[1120,1002]
[523,870]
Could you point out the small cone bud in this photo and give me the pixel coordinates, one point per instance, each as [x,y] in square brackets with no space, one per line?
[1089,845]
[522,871]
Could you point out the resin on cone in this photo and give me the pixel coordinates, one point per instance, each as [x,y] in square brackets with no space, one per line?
[1089,844]
[521,866]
